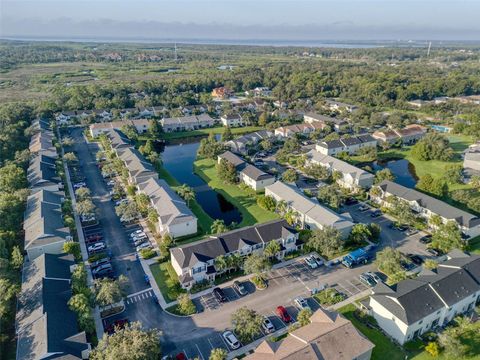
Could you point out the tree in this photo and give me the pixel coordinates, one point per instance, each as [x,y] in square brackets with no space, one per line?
[290,176]
[108,291]
[16,258]
[331,196]
[475,181]
[433,146]
[389,262]
[360,232]
[218,354]
[70,158]
[256,264]
[9,291]
[447,237]
[130,131]
[67,141]
[384,174]
[82,193]
[317,171]
[402,211]
[221,263]
[266,202]
[186,305]
[303,316]
[85,207]
[227,134]
[266,144]
[218,226]
[453,173]
[80,304]
[72,247]
[290,216]
[435,220]
[79,279]
[186,192]
[226,171]
[272,249]
[326,241]
[430,264]
[433,349]
[375,230]
[12,177]
[155,128]
[127,211]
[247,324]
[129,343]
[450,341]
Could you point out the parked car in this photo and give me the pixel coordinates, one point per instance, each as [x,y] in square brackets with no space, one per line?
[435,252]
[119,202]
[351,201]
[111,183]
[79,185]
[363,207]
[416,259]
[117,324]
[317,259]
[94,238]
[139,237]
[301,303]
[99,246]
[219,294]
[99,262]
[407,265]
[104,273]
[411,231]
[145,245]
[427,239]
[231,340]
[138,232]
[103,268]
[397,226]
[374,276]
[240,287]
[267,325]
[376,213]
[310,261]
[181,356]
[139,241]
[283,314]
[367,280]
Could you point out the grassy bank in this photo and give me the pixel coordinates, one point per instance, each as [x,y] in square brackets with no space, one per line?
[203,132]
[244,200]
[167,280]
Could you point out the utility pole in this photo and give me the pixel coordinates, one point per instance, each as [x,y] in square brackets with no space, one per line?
[175,52]
[429,46]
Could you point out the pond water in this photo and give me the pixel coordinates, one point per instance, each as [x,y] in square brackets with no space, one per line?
[401,169]
[178,160]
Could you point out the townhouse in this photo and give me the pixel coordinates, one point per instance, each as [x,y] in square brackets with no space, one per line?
[328,336]
[232,120]
[301,129]
[339,106]
[222,92]
[247,173]
[412,307]
[139,169]
[310,214]
[350,145]
[42,173]
[195,262]
[46,328]
[426,206]
[42,142]
[140,125]
[187,123]
[408,135]
[175,218]
[352,176]
[241,144]
[336,123]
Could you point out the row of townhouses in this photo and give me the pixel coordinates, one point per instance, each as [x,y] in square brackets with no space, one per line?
[174,216]
[335,123]
[241,144]
[300,129]
[352,176]
[350,145]
[187,123]
[195,262]
[45,326]
[247,173]
[407,135]
[415,306]
[426,206]
[43,224]
[310,214]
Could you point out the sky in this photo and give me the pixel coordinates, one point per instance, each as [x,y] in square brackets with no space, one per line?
[242,19]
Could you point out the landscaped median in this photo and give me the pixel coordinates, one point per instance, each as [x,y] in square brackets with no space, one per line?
[244,200]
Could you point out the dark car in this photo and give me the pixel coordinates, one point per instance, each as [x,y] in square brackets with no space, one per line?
[117,324]
[435,252]
[407,265]
[102,270]
[351,201]
[427,239]
[376,213]
[416,259]
[283,314]
[219,295]
[240,288]
[100,262]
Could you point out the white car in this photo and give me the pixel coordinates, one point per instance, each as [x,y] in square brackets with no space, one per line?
[111,183]
[363,207]
[145,245]
[137,233]
[267,325]
[301,303]
[310,261]
[119,202]
[231,340]
[317,259]
[96,247]
[138,236]
[374,276]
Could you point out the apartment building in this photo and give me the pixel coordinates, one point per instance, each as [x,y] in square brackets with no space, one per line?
[408,135]
[350,145]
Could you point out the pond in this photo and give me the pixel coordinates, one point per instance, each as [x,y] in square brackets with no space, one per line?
[178,161]
[402,170]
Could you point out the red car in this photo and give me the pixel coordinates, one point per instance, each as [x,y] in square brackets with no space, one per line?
[181,356]
[283,314]
[120,324]
[94,238]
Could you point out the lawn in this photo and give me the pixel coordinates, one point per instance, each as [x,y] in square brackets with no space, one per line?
[204,132]
[244,200]
[474,245]
[167,280]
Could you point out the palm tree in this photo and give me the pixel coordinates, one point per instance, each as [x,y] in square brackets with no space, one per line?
[281,207]
[221,263]
[272,249]
[218,226]
[186,192]
[291,216]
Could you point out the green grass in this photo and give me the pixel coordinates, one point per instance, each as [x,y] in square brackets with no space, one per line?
[205,132]
[167,280]
[474,245]
[384,348]
[244,200]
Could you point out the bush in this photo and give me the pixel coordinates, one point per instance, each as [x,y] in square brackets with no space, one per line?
[185,305]
[148,253]
[259,282]
[200,286]
[329,296]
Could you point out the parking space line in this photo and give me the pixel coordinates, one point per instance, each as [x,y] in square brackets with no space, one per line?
[221,337]
[313,298]
[344,289]
[186,354]
[353,285]
[274,314]
[299,279]
[211,345]
[199,352]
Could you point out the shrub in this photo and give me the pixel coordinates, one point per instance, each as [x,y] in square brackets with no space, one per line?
[185,305]
[147,253]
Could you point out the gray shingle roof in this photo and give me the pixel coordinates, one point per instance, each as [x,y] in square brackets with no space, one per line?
[235,160]
[434,205]
[254,173]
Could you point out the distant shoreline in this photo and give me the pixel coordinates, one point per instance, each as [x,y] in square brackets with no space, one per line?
[347,44]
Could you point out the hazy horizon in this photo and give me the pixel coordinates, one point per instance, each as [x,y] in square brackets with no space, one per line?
[287,20]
